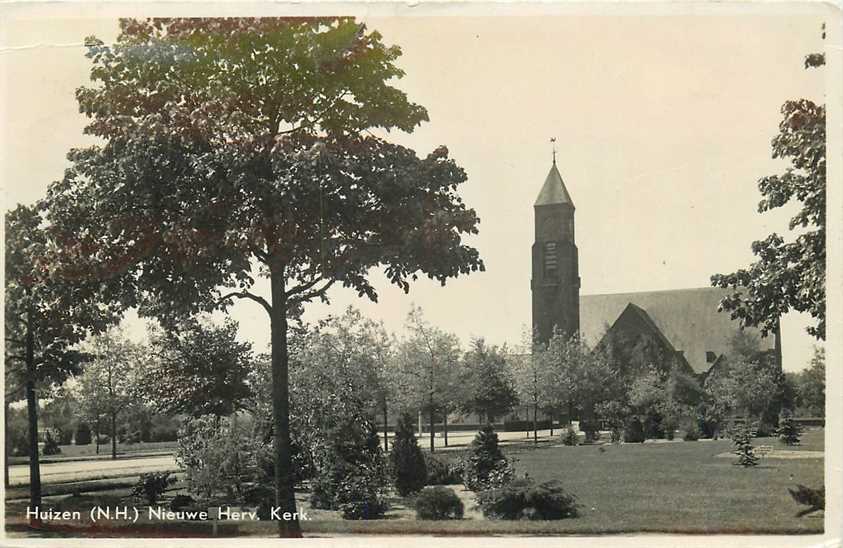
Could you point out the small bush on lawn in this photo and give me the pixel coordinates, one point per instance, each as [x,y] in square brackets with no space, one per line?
[152,485]
[788,429]
[438,503]
[524,499]
[485,467]
[692,432]
[409,466]
[181,501]
[569,437]
[51,446]
[441,473]
[357,498]
[83,434]
[742,440]
[634,431]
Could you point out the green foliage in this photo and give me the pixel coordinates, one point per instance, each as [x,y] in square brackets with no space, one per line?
[152,485]
[788,430]
[742,441]
[438,503]
[180,502]
[810,386]
[490,387]
[198,368]
[569,436]
[634,431]
[485,466]
[409,469]
[440,472]
[350,470]
[216,455]
[524,499]
[692,431]
[788,275]
[51,445]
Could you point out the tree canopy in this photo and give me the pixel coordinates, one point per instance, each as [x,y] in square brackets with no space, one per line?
[788,275]
[240,149]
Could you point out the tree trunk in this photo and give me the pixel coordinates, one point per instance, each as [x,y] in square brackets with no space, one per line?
[284,489]
[445,429]
[550,417]
[32,417]
[535,424]
[432,429]
[385,431]
[113,435]
[6,446]
[97,434]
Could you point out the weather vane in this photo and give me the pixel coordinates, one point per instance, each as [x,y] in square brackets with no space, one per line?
[553,143]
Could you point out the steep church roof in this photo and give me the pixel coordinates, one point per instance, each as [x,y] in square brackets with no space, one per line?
[553,191]
[688,318]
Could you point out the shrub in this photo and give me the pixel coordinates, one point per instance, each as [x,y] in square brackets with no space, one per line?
[215,454]
[181,501]
[788,429]
[83,434]
[409,468]
[569,437]
[262,496]
[634,431]
[357,498]
[51,446]
[742,440]
[523,499]
[764,429]
[351,472]
[485,466]
[152,485]
[692,432]
[441,473]
[615,435]
[591,429]
[438,503]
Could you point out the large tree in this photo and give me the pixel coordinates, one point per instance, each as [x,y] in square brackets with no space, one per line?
[788,275]
[428,372]
[240,149]
[46,316]
[489,384]
[198,368]
[111,381]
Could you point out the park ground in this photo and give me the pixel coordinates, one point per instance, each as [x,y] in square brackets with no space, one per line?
[666,487]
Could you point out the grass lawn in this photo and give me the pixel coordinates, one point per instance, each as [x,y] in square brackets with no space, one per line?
[674,487]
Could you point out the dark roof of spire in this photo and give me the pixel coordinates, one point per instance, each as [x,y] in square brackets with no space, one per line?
[554,191]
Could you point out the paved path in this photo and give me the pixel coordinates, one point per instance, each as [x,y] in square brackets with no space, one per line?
[59,472]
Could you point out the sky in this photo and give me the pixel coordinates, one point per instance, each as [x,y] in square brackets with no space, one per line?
[662,125]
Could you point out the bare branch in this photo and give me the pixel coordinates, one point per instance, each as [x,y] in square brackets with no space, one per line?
[307,295]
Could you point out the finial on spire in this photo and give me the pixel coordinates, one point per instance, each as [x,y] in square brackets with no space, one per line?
[553,143]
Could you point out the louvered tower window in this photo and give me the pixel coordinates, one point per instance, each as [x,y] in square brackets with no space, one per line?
[551,263]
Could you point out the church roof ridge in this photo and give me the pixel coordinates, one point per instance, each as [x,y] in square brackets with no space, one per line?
[553,191]
[713,289]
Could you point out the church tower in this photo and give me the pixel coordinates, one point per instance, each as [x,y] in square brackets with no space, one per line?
[556,280]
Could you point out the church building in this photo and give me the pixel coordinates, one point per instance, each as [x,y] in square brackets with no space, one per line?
[684,323]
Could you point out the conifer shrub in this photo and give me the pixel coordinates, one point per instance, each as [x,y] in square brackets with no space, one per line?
[634,431]
[83,434]
[438,503]
[788,430]
[742,440]
[524,499]
[485,466]
[351,471]
[569,437]
[408,464]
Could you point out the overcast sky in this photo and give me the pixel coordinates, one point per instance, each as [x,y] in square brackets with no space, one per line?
[663,127]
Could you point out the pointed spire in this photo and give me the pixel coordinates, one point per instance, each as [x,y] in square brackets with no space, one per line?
[554,191]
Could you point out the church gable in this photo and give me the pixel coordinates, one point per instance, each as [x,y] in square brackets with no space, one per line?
[687,318]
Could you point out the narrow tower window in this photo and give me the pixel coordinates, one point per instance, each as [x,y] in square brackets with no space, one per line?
[550,259]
